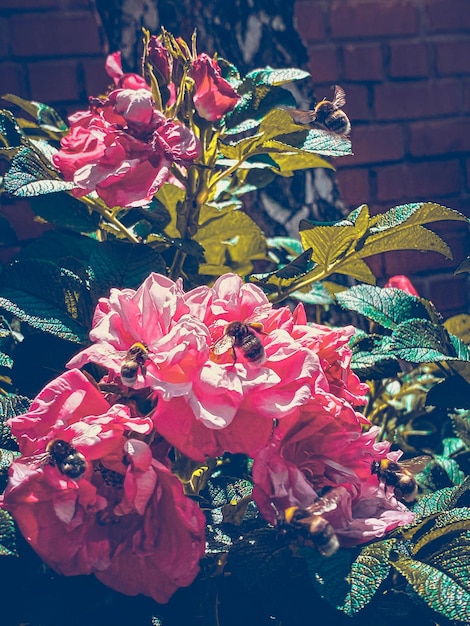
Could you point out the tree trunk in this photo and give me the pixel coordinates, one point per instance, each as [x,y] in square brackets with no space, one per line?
[250,34]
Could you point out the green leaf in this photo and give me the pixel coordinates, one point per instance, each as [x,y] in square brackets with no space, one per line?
[421,341]
[231,240]
[7,535]
[451,468]
[461,426]
[271,76]
[329,575]
[316,294]
[314,140]
[28,176]
[70,250]
[331,243]
[463,267]
[46,116]
[11,135]
[254,105]
[400,228]
[242,149]
[288,160]
[121,264]
[171,197]
[433,503]
[64,210]
[47,297]
[367,573]
[370,360]
[10,406]
[442,593]
[388,307]
[6,459]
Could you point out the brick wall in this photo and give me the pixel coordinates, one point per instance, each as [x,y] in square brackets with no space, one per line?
[405,66]
[51,51]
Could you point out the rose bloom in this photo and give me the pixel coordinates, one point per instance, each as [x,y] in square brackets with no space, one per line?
[400,281]
[213,96]
[123,148]
[126,520]
[323,448]
[197,389]
[123,80]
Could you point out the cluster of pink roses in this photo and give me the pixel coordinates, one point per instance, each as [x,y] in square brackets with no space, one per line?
[127,519]
[124,146]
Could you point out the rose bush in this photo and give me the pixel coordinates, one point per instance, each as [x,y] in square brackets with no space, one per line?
[212,422]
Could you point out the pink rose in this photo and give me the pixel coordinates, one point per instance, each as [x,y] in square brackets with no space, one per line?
[160,58]
[402,282]
[320,449]
[113,68]
[213,96]
[126,519]
[123,148]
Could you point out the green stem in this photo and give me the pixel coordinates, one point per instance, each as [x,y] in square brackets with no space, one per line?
[108,215]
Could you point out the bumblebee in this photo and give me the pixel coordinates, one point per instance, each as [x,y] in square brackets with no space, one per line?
[133,362]
[313,526]
[400,476]
[244,337]
[327,113]
[66,458]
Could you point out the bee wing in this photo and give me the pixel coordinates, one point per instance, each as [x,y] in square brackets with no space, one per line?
[300,116]
[222,345]
[324,504]
[415,465]
[339,98]
[37,460]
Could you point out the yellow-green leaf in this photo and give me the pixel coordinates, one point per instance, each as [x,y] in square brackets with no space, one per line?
[367,573]
[232,240]
[405,237]
[441,592]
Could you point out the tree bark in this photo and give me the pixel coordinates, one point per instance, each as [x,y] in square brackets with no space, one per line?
[250,34]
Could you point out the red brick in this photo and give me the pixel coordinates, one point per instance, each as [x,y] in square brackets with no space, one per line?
[97,81]
[468,173]
[412,262]
[323,64]
[363,62]
[376,264]
[12,80]
[409,182]
[376,144]
[54,81]
[449,293]
[414,100]
[408,59]
[357,102]
[54,34]
[447,16]
[309,21]
[373,19]
[354,186]
[453,57]
[440,136]
[21,5]
[4,39]
[466,95]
